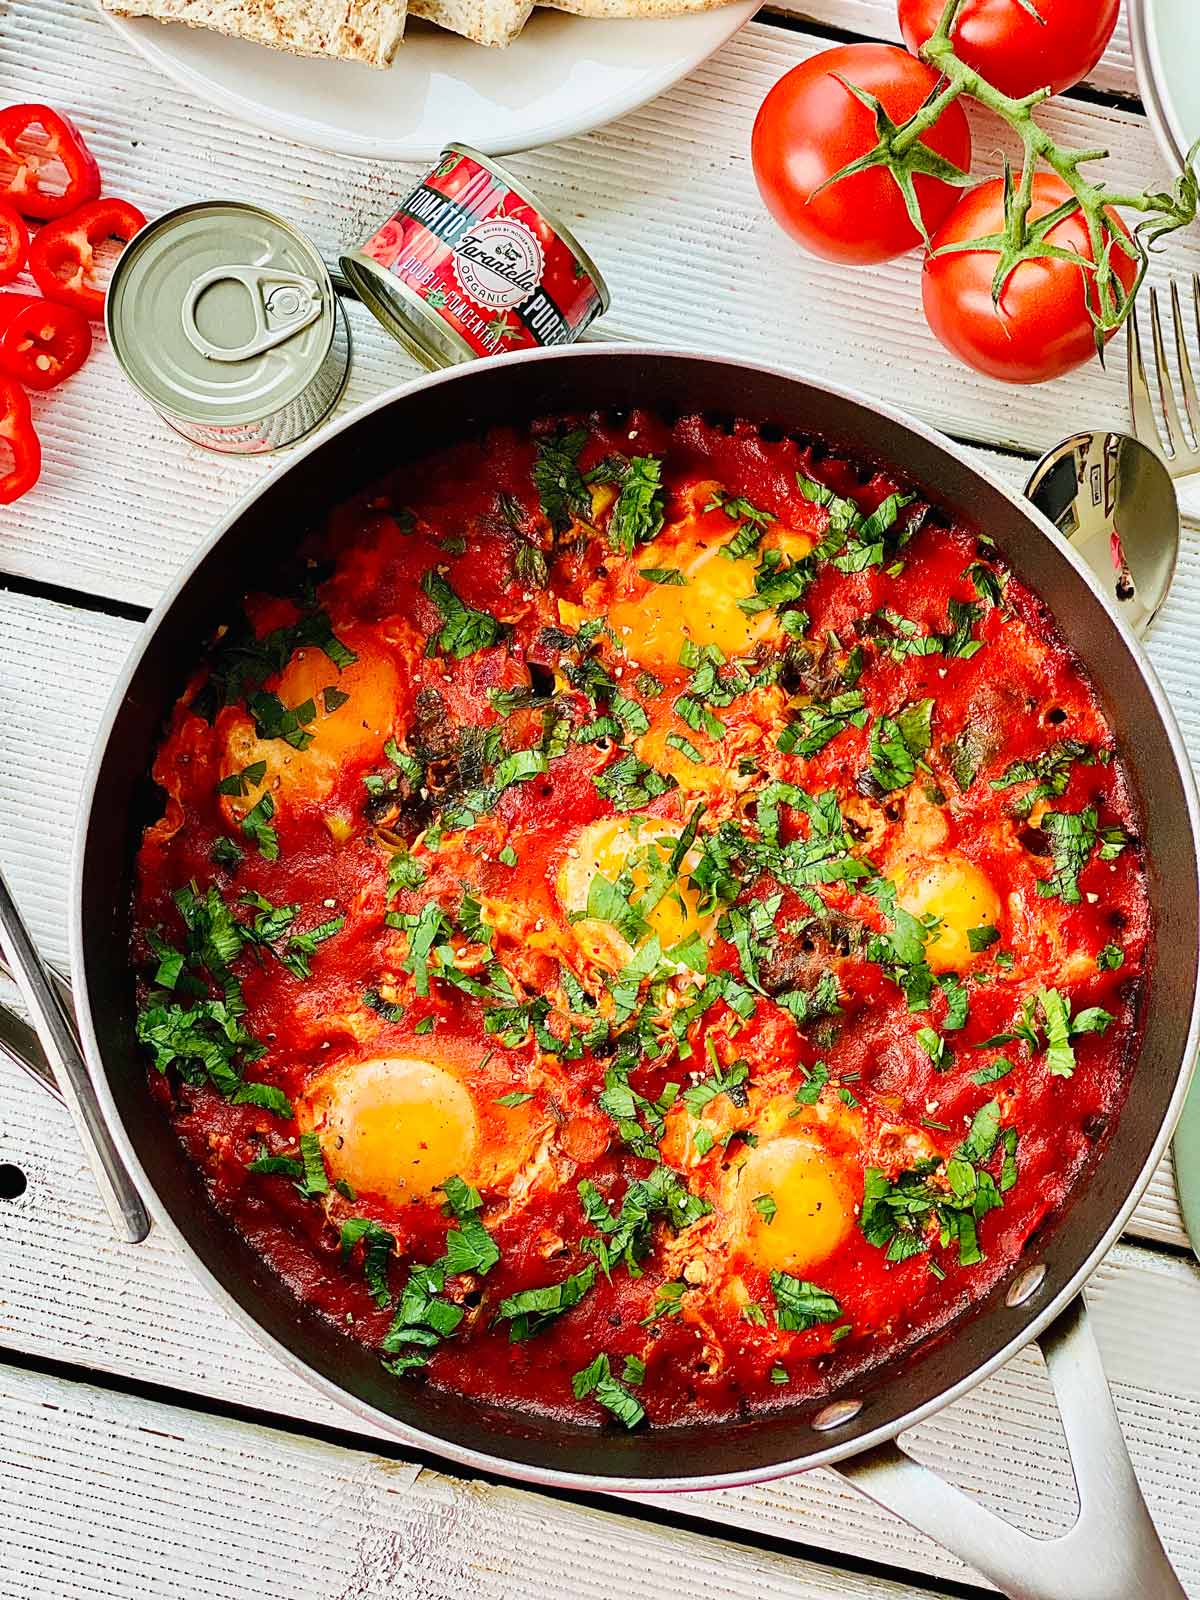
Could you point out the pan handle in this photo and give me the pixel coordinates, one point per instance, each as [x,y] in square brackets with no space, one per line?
[1111,1552]
[62,1055]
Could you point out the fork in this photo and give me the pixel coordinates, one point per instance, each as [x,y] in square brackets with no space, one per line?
[1166,433]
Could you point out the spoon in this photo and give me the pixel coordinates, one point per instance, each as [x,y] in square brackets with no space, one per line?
[1114,500]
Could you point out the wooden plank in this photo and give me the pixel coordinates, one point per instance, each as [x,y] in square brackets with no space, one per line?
[876,19]
[107,1495]
[665,198]
[67,1291]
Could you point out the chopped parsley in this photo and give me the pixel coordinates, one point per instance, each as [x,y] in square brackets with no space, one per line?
[952,1194]
[378,1247]
[817,724]
[630,784]
[637,515]
[730,1082]
[596,1379]
[800,1305]
[242,661]
[964,755]
[274,720]
[256,825]
[241,783]
[815,1080]
[668,1302]
[993,1072]
[315,1178]
[531,1310]
[1073,836]
[897,744]
[626,1237]
[464,630]
[934,1047]
[664,575]
[1049,774]
[563,494]
[530,565]
[387,1009]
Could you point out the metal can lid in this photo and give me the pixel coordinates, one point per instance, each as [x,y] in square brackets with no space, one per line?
[220,313]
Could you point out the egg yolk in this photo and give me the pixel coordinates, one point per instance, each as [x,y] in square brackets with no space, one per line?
[955,891]
[395,1127]
[642,846]
[654,625]
[353,728]
[814,1204]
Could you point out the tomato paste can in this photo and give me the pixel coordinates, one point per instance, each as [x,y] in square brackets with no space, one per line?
[473,264]
[225,319]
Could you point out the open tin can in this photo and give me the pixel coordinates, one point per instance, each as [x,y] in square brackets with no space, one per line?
[472,264]
[225,319]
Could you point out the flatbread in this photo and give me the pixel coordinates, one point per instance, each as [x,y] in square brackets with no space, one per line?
[632,8]
[493,22]
[344,30]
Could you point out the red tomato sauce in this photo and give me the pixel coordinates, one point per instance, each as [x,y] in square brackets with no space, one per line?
[691,970]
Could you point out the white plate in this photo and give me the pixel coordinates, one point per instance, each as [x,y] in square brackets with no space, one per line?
[1166,49]
[564,75]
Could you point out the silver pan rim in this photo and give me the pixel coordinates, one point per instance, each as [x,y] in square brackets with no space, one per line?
[431,1443]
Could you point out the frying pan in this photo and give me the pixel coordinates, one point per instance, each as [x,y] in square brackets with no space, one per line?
[1112,1552]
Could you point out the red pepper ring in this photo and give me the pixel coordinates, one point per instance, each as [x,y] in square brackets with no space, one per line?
[14,242]
[63,142]
[41,344]
[63,255]
[16,431]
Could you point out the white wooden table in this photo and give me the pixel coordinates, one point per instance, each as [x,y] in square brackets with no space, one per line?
[147,1446]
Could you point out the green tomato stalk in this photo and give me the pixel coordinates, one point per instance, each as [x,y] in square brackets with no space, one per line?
[901,150]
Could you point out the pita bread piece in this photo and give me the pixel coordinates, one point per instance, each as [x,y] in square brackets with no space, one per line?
[343,30]
[493,22]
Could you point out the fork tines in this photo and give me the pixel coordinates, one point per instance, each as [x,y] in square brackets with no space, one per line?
[1162,427]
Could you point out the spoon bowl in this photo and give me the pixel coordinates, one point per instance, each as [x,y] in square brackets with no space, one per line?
[1113,498]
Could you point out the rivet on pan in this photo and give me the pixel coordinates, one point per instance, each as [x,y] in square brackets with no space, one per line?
[834,1414]
[1025,1285]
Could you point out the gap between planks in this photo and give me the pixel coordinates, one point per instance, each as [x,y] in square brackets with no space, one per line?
[664,198]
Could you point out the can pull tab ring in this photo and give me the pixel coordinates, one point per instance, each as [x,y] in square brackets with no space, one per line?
[283,303]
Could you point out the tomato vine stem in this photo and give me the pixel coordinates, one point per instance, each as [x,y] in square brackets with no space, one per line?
[1021,240]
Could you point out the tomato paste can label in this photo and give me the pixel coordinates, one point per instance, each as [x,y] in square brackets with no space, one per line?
[471,264]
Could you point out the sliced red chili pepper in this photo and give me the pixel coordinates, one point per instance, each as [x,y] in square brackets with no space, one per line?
[41,344]
[63,255]
[22,167]
[16,431]
[14,242]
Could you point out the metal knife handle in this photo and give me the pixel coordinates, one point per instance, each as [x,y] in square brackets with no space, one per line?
[1111,1553]
[62,1052]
